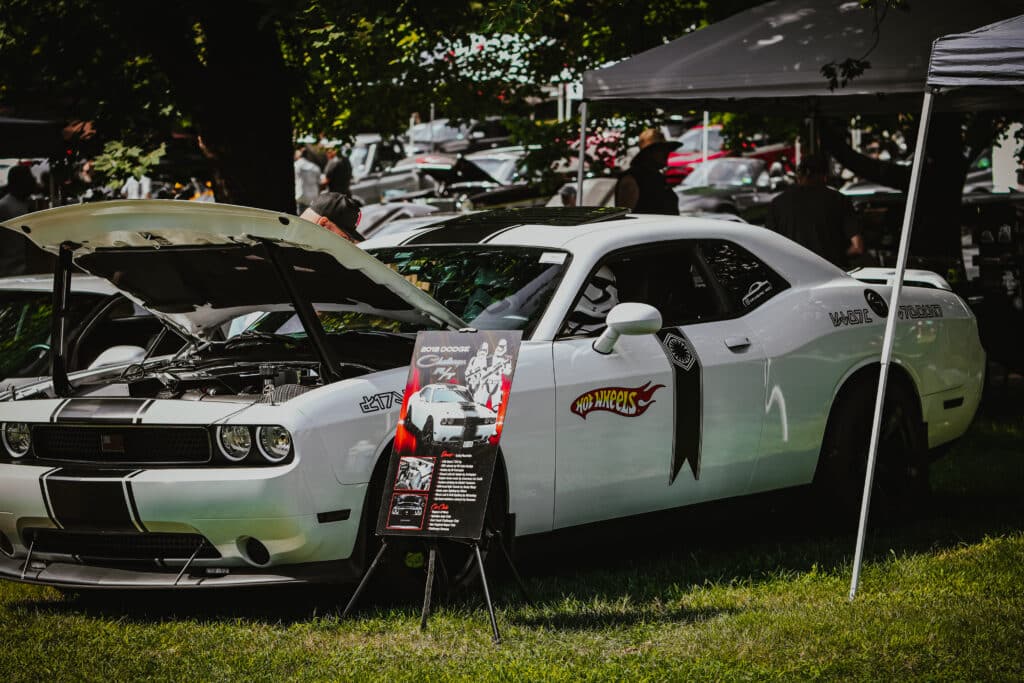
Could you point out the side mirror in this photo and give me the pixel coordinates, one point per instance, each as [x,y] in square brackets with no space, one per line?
[118,355]
[627,319]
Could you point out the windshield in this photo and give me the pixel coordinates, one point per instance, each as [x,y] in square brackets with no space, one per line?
[504,170]
[693,140]
[493,288]
[438,131]
[727,173]
[451,395]
[25,330]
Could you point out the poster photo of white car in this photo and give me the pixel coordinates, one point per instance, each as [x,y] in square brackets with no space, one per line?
[446,415]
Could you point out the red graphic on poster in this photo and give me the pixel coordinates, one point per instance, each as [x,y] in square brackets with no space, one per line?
[624,401]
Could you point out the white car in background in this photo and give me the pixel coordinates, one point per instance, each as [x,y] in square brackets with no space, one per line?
[445,414]
[105,328]
[665,361]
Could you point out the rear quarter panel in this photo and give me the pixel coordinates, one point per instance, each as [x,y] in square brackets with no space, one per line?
[816,337]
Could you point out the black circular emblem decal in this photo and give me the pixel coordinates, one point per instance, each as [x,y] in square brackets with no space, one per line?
[876,302]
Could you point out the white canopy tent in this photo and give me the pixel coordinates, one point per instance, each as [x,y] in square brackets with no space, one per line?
[962,66]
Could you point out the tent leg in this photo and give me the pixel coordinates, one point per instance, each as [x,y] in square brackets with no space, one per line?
[890,335]
[583,152]
[704,138]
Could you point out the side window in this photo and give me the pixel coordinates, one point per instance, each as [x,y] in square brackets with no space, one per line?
[668,277]
[747,281]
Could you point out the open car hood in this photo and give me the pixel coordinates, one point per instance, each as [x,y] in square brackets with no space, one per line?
[198,265]
[450,169]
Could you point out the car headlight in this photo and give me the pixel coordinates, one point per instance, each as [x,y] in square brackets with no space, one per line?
[235,442]
[275,442]
[451,421]
[17,439]
[489,420]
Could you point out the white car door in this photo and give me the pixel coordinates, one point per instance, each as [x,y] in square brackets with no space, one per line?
[664,420]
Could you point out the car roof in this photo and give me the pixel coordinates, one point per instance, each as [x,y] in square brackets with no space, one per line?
[83,284]
[594,231]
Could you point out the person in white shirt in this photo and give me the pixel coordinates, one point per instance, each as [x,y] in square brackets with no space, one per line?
[137,188]
[307,180]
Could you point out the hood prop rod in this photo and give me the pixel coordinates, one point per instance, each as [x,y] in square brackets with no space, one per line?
[59,322]
[307,316]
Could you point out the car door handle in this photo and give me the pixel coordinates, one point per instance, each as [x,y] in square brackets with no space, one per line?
[737,343]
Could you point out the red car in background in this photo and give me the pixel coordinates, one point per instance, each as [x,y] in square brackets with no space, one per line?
[689,153]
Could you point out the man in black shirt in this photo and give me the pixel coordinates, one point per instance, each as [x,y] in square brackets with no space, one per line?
[337,172]
[814,215]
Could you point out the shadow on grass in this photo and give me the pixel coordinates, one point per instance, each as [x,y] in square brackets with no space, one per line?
[976,493]
[584,620]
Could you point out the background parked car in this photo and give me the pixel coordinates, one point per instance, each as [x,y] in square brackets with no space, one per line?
[106,328]
[732,185]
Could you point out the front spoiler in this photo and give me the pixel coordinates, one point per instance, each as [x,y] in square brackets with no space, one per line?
[74,576]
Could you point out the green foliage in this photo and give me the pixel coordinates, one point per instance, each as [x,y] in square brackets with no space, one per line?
[120,161]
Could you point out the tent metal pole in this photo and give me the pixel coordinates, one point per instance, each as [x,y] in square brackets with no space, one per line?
[583,152]
[888,340]
[704,137]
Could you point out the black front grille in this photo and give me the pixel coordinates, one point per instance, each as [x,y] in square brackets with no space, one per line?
[120,546]
[117,444]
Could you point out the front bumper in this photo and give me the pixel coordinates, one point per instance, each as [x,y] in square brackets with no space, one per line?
[296,525]
[72,576]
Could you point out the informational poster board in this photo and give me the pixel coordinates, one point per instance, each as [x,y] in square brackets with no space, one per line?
[446,443]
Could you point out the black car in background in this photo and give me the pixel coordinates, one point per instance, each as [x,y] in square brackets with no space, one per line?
[730,185]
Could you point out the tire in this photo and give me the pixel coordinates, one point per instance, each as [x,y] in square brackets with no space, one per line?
[428,432]
[901,470]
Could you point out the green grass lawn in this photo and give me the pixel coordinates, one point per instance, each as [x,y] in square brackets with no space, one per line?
[741,590]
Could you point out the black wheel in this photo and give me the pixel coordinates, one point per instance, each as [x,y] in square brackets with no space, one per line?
[901,470]
[427,435]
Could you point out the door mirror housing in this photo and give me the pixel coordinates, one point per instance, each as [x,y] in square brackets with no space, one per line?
[629,318]
[118,355]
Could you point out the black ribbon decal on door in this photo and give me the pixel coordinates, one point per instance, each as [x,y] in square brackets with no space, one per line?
[686,422]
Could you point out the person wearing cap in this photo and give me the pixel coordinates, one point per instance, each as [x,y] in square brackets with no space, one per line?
[642,188]
[814,215]
[337,212]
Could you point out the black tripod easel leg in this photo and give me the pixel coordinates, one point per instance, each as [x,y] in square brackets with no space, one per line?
[487,593]
[512,566]
[365,579]
[429,590]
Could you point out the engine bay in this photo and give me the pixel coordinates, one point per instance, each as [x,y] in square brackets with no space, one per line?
[255,368]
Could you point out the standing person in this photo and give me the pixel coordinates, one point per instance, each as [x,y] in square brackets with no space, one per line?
[14,251]
[642,188]
[337,172]
[307,179]
[337,212]
[137,188]
[814,215]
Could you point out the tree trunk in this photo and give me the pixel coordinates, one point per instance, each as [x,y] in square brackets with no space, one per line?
[244,117]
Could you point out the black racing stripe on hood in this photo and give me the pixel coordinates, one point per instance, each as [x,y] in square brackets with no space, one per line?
[103,410]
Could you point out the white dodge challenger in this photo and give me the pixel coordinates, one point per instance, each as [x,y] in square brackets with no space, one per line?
[665,361]
[446,414]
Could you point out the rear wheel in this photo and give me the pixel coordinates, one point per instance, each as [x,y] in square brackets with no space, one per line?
[901,471]
[428,432]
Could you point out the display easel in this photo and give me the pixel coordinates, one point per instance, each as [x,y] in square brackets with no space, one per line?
[433,560]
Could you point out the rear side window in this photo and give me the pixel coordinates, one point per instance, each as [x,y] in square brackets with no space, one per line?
[746,280]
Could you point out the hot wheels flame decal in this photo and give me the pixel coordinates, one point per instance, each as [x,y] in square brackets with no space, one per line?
[625,401]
